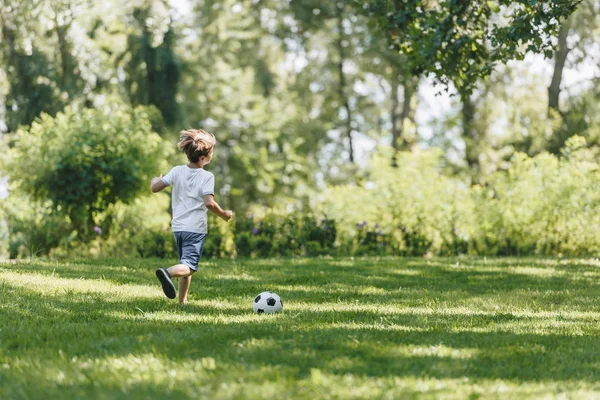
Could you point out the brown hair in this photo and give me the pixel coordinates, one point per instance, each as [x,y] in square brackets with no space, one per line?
[196,143]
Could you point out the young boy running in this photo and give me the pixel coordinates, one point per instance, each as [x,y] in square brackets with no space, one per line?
[193,194]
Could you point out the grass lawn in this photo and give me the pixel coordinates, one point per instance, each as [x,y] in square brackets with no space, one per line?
[363,328]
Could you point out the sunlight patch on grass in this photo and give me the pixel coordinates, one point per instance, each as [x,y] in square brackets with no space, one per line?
[373,327]
[219,319]
[464,311]
[126,371]
[488,272]
[241,277]
[256,343]
[537,272]
[360,387]
[56,286]
[406,272]
[595,262]
[439,350]
[154,316]
[334,288]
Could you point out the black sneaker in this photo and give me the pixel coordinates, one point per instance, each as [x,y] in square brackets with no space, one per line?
[167,284]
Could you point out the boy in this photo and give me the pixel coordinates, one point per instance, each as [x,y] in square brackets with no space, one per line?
[193,194]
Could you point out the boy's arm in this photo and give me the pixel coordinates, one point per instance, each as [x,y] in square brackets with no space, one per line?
[157,184]
[212,205]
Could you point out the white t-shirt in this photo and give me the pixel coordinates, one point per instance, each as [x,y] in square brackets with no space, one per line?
[190,185]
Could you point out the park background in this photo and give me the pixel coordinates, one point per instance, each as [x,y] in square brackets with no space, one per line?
[344,128]
[417,179]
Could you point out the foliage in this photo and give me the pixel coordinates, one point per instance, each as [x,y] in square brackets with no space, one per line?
[294,90]
[139,229]
[290,234]
[462,41]
[153,70]
[219,242]
[542,205]
[260,125]
[31,228]
[156,244]
[411,209]
[85,160]
[582,118]
[32,78]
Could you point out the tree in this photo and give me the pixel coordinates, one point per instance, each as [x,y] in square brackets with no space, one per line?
[30,72]
[53,53]
[461,41]
[582,30]
[83,161]
[330,28]
[577,39]
[153,70]
[231,88]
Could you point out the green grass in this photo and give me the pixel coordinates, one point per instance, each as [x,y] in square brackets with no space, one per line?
[364,328]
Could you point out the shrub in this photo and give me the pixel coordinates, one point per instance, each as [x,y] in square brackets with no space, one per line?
[541,205]
[91,158]
[283,235]
[414,208]
[545,205]
[31,228]
[159,244]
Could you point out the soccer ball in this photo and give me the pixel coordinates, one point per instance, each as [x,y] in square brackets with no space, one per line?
[267,302]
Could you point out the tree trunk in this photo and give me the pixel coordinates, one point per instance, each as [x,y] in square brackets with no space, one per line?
[400,140]
[67,66]
[470,135]
[559,63]
[396,121]
[408,112]
[342,86]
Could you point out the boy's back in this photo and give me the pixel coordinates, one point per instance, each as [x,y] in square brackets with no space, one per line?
[190,185]
[193,196]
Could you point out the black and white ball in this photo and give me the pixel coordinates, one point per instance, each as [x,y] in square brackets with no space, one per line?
[267,302]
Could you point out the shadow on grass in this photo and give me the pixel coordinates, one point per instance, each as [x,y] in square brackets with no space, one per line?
[347,279]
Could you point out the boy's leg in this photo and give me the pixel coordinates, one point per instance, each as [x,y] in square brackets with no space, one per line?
[184,273]
[189,249]
[184,285]
[180,270]
[167,283]
[165,276]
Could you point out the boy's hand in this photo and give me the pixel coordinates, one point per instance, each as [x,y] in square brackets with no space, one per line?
[213,206]
[155,179]
[156,185]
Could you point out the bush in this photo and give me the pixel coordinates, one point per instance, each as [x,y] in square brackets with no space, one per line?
[159,244]
[542,205]
[31,228]
[283,235]
[546,205]
[219,242]
[91,158]
[414,208]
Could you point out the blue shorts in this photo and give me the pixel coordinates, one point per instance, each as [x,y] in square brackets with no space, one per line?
[189,248]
